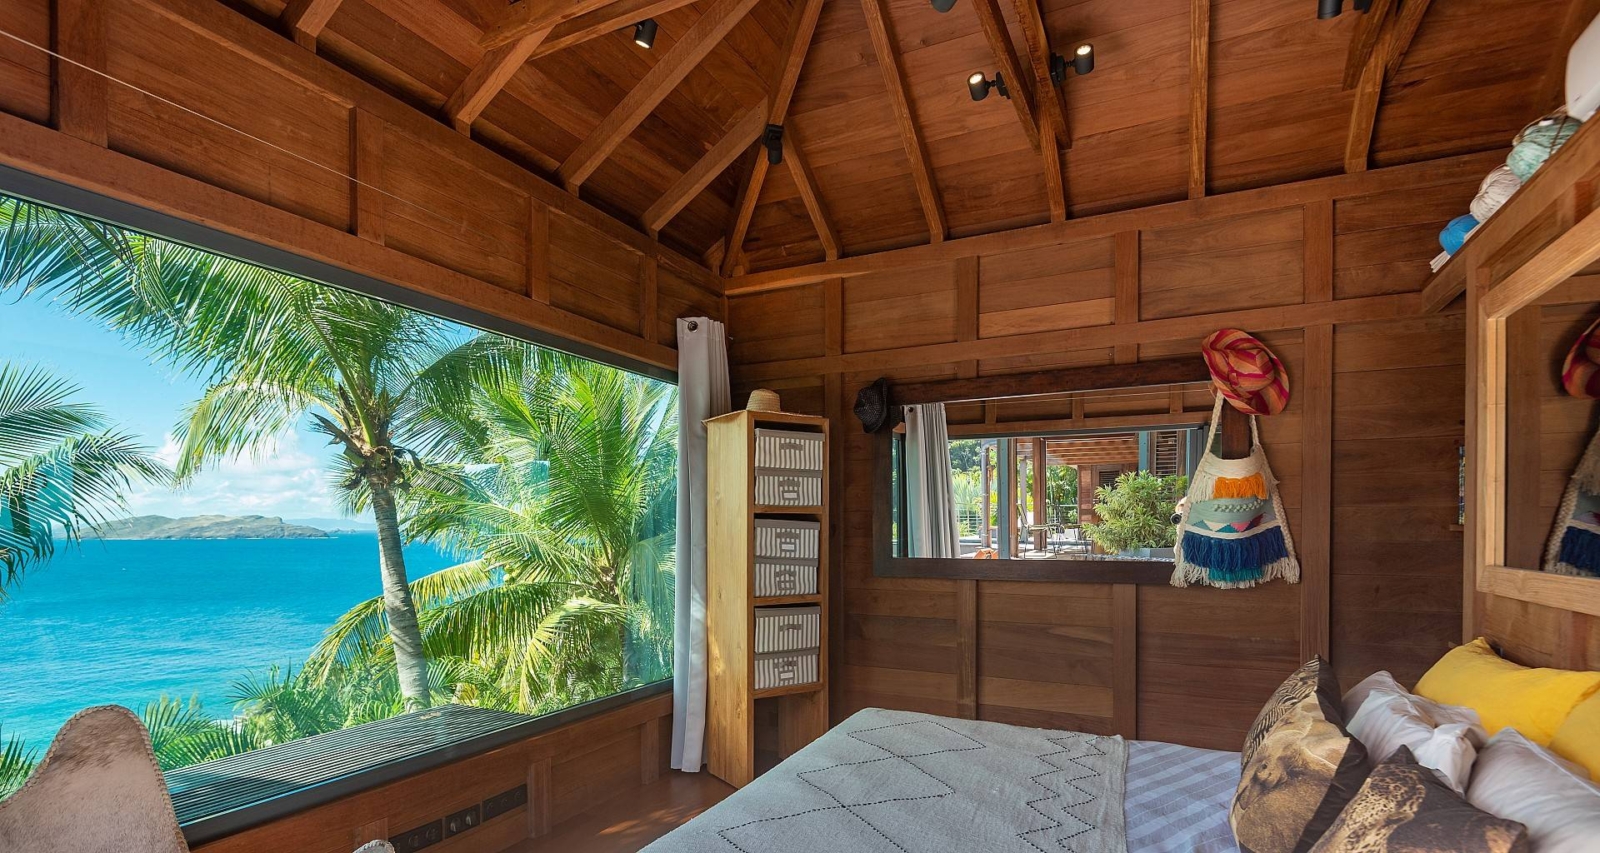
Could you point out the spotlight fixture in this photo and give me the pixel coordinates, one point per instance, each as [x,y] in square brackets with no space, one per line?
[1082,62]
[644,33]
[943,5]
[979,86]
[772,140]
[1331,8]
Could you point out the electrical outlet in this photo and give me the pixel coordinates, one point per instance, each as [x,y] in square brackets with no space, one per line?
[505,801]
[413,840]
[463,820]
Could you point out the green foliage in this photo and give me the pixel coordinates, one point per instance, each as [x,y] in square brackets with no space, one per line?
[1136,512]
[16,762]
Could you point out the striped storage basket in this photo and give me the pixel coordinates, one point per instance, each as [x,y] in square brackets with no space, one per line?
[785,577]
[781,448]
[783,487]
[782,539]
[786,668]
[787,629]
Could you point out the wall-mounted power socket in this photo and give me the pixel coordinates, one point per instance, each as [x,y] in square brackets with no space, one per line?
[463,820]
[505,801]
[413,840]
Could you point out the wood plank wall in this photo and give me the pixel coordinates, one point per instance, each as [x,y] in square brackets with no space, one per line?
[1366,452]
[315,161]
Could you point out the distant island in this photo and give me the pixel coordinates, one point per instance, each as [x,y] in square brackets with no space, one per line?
[204,527]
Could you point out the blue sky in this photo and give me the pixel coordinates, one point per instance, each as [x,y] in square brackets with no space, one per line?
[146,399]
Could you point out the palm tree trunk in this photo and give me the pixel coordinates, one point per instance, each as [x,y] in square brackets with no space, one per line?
[409,660]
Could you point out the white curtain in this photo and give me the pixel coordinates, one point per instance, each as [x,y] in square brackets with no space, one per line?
[930,496]
[702,393]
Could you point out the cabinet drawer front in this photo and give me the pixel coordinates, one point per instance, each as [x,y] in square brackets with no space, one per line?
[774,577]
[775,487]
[785,629]
[781,448]
[786,668]
[787,540]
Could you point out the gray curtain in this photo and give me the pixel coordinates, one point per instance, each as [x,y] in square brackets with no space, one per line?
[702,393]
[930,496]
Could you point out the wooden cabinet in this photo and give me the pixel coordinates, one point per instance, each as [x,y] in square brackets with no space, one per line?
[767,531]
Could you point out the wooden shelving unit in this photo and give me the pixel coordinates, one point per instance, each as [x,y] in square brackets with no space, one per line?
[733,703]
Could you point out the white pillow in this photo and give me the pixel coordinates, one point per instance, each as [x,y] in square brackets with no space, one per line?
[1444,738]
[1519,780]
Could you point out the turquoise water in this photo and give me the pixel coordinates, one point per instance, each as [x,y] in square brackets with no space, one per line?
[124,622]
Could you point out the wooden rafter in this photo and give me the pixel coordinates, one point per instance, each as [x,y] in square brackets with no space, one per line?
[894,79]
[1368,30]
[795,46]
[1005,58]
[1052,101]
[1055,177]
[658,82]
[531,16]
[733,143]
[610,18]
[1199,92]
[487,78]
[1393,42]
[806,184]
[304,20]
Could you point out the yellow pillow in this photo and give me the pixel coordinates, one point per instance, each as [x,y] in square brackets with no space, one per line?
[1578,739]
[1534,701]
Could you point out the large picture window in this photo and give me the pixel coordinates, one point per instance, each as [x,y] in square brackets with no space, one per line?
[255,508]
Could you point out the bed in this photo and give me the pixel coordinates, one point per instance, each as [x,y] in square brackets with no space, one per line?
[901,782]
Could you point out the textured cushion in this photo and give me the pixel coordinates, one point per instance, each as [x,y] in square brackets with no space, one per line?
[1301,772]
[1519,780]
[1578,739]
[1534,701]
[1313,676]
[1443,738]
[1406,808]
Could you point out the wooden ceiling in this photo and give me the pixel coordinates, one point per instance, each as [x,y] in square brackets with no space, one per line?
[884,148]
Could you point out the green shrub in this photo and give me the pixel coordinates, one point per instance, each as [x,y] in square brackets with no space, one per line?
[1136,512]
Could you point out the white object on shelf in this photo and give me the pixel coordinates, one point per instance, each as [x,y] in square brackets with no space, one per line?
[1583,73]
[787,629]
[1439,261]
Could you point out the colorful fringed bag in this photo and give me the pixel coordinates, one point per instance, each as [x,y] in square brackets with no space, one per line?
[1231,531]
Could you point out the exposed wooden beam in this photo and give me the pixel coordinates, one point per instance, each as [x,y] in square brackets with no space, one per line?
[1052,101]
[1199,92]
[531,16]
[304,20]
[1365,41]
[610,18]
[487,78]
[1006,62]
[894,80]
[802,26]
[733,143]
[658,82]
[1393,42]
[1055,177]
[1552,87]
[806,184]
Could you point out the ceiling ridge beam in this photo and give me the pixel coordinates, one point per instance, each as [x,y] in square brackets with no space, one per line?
[304,20]
[894,79]
[1005,56]
[1199,93]
[699,176]
[531,16]
[1052,101]
[796,44]
[487,78]
[621,15]
[1369,28]
[806,184]
[1392,45]
[699,40]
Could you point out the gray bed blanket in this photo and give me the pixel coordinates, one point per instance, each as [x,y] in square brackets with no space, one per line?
[899,782]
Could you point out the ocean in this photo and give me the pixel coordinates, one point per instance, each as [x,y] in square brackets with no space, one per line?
[124,622]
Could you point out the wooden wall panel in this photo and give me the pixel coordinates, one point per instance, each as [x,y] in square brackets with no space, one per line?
[777,325]
[591,276]
[25,73]
[677,296]
[1226,265]
[900,308]
[1059,287]
[1382,242]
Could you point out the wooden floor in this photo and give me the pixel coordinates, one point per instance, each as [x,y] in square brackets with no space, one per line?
[633,819]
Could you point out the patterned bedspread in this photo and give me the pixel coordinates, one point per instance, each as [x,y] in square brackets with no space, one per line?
[898,782]
[1177,798]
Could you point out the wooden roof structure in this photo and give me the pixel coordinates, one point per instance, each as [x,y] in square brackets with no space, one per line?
[884,148]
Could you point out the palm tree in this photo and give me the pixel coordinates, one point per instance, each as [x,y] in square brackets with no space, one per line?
[571,596]
[16,764]
[272,349]
[61,468]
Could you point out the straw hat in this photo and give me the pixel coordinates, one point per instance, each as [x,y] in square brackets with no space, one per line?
[1245,372]
[763,400]
[1580,373]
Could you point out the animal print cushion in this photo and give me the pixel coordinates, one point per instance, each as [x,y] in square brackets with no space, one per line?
[1406,808]
[1315,675]
[1301,771]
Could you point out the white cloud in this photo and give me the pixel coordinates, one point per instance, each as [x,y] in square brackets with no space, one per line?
[280,479]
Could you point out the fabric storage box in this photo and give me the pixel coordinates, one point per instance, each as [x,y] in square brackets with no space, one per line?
[784,487]
[786,629]
[782,539]
[786,668]
[781,448]
[785,577]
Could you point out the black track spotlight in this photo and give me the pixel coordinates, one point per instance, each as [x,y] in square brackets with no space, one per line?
[1362,6]
[644,33]
[1329,9]
[979,86]
[772,140]
[943,5]
[1083,58]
